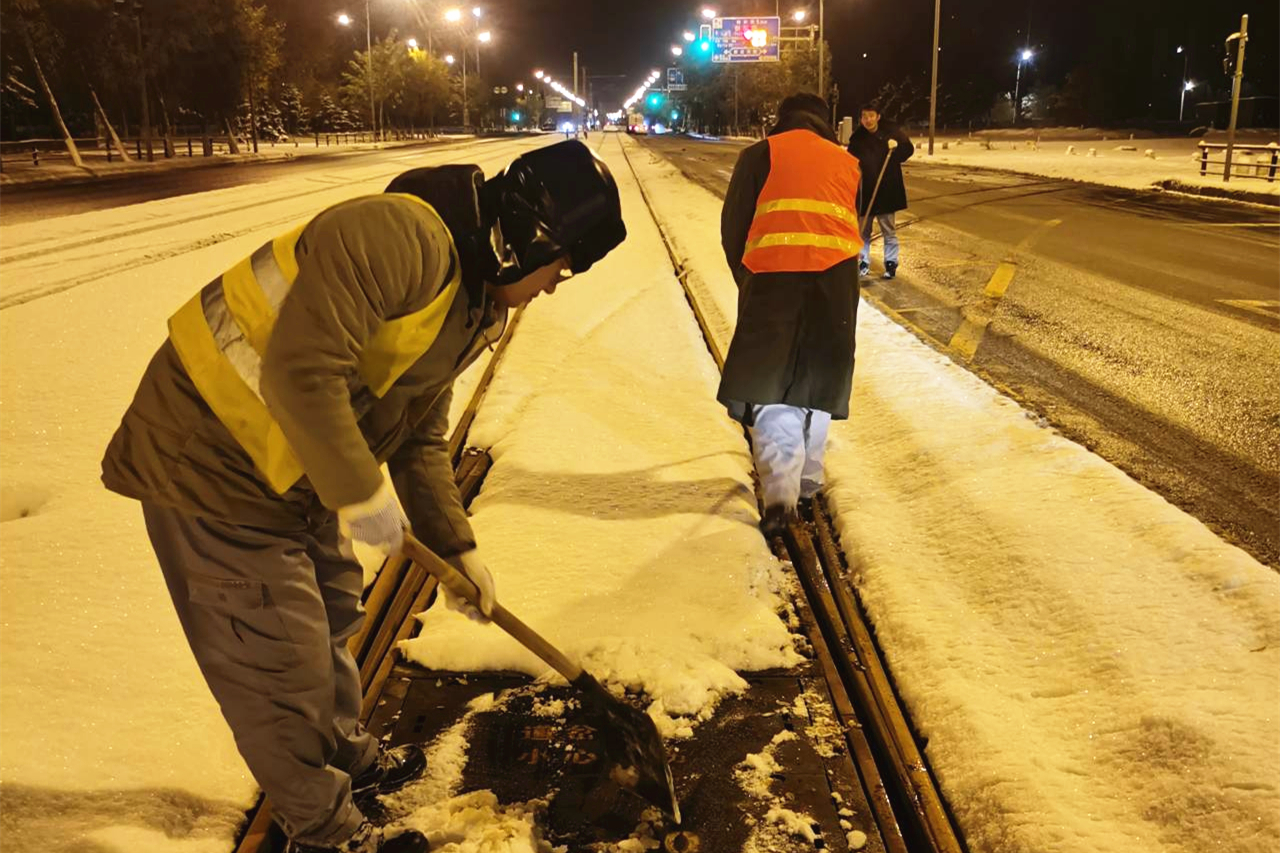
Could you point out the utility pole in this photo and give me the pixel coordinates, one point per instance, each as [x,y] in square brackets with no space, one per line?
[466,116]
[933,88]
[822,49]
[575,76]
[1243,37]
[368,56]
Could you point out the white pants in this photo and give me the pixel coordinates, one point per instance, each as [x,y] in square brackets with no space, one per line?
[788,443]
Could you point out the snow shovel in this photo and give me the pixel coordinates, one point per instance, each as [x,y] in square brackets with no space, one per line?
[862,226]
[633,746]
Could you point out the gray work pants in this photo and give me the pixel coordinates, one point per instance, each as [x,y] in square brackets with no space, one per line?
[268,615]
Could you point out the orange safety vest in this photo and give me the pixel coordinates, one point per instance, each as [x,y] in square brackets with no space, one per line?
[806,215]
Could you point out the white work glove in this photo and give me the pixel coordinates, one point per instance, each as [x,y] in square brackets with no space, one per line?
[378,522]
[470,564]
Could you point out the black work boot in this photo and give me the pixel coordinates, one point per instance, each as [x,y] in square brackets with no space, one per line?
[390,771]
[890,269]
[864,269]
[776,519]
[370,839]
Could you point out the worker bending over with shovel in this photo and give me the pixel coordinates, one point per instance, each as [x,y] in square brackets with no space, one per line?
[256,438]
[790,234]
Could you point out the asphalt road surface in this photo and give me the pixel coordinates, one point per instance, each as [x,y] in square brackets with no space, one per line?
[1145,326]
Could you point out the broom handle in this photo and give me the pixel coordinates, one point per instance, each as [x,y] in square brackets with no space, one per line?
[862,227]
[461,586]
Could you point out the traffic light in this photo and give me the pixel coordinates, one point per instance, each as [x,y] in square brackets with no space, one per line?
[515,116]
[704,47]
[655,100]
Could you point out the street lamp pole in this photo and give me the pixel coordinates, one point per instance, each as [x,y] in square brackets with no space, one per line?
[368,58]
[1024,56]
[822,49]
[1243,37]
[933,86]
[1186,55]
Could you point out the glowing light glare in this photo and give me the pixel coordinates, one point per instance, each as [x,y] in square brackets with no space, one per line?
[538,74]
[519,87]
[448,58]
[1026,55]
[413,43]
[1179,48]
[798,15]
[344,19]
[485,37]
[1188,86]
[676,50]
[475,10]
[708,13]
[687,36]
[756,38]
[453,15]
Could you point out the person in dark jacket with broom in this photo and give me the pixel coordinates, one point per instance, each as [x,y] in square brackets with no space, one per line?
[789,229]
[870,143]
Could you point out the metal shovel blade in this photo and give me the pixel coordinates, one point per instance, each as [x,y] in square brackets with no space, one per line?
[633,745]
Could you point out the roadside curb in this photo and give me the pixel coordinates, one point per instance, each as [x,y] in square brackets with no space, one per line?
[1219,193]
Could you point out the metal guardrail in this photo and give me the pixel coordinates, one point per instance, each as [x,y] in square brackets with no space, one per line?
[1262,171]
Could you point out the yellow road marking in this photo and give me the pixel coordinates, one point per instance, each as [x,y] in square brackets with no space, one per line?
[968,337]
[1000,280]
[1030,240]
[1269,308]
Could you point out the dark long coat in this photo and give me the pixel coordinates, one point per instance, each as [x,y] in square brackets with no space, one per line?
[794,340]
[871,149]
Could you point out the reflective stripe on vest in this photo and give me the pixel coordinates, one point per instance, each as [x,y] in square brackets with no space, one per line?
[221,336]
[804,218]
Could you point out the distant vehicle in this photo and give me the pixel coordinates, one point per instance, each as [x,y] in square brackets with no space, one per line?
[549,124]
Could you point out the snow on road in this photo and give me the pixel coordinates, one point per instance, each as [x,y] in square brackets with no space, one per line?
[108,735]
[1093,669]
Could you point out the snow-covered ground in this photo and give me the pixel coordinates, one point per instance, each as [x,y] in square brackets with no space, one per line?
[108,736]
[1094,669]
[1115,162]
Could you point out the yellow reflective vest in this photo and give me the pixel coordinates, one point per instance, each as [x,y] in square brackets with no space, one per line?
[222,334]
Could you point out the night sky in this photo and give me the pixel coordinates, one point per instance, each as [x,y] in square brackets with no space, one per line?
[1131,41]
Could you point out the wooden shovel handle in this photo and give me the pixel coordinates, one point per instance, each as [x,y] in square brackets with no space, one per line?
[461,586]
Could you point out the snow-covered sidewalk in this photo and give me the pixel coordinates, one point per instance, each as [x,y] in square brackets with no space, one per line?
[1134,163]
[1094,670]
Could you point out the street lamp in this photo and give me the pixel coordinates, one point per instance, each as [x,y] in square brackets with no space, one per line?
[345,20]
[676,50]
[687,36]
[448,59]
[453,15]
[482,38]
[1024,56]
[708,13]
[413,44]
[519,87]
[1186,55]
[799,15]
[538,74]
